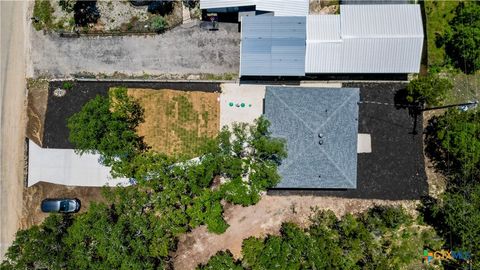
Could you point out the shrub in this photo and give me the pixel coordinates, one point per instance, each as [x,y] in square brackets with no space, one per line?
[67,85]
[431,90]
[159,23]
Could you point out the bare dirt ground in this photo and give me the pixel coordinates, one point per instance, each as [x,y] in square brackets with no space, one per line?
[12,110]
[33,196]
[37,106]
[261,219]
[177,121]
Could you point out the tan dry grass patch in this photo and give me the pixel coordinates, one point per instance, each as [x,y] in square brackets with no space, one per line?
[177,122]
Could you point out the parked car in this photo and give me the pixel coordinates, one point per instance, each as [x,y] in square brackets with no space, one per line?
[64,205]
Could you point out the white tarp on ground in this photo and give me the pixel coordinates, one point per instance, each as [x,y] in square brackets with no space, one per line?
[64,167]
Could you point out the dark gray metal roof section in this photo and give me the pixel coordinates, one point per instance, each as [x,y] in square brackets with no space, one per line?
[273,46]
[321,127]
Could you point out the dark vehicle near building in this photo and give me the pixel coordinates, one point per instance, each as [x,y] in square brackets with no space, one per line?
[64,205]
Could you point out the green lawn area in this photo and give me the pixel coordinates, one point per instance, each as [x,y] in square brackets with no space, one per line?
[439,13]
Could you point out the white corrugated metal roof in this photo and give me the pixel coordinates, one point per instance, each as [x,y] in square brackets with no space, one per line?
[323,27]
[284,7]
[381,21]
[206,4]
[373,39]
[273,46]
[278,7]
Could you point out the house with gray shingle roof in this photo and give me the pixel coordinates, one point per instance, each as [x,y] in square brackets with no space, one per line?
[320,126]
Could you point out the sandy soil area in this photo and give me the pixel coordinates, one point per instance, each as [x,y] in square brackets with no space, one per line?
[12,101]
[37,106]
[262,219]
[33,196]
[177,121]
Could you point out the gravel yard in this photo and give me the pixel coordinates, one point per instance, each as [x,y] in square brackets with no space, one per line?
[188,49]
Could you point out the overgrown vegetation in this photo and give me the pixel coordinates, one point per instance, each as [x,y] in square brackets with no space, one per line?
[382,238]
[430,90]
[159,23]
[462,42]
[449,25]
[42,14]
[138,226]
[453,141]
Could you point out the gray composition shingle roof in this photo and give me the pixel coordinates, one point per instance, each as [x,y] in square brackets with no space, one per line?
[273,46]
[306,116]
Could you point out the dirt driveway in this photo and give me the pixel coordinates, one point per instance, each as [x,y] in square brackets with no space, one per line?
[183,50]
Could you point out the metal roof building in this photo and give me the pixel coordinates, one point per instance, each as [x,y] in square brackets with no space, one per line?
[278,7]
[320,126]
[273,46]
[365,39]
[362,39]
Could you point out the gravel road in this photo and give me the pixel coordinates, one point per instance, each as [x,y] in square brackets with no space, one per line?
[12,98]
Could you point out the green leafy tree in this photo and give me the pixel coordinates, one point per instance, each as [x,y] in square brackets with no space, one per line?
[463,42]
[106,125]
[139,226]
[458,135]
[456,216]
[221,261]
[40,247]
[431,90]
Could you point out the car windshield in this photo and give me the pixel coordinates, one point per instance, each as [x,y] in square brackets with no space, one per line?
[64,206]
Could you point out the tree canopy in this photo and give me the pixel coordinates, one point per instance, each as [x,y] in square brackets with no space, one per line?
[457,133]
[138,227]
[430,89]
[463,41]
[106,125]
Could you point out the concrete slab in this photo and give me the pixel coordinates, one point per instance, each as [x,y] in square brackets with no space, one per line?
[364,143]
[231,99]
[65,167]
[234,94]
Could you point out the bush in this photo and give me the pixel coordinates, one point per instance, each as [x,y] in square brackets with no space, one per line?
[43,14]
[458,135]
[431,90]
[67,85]
[159,23]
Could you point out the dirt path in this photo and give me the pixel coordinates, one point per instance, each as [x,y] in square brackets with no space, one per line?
[12,100]
[262,219]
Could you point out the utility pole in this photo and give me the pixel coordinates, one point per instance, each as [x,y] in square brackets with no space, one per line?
[419,107]
[460,105]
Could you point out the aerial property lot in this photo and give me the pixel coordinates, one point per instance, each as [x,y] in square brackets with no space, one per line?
[200,97]
[394,169]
